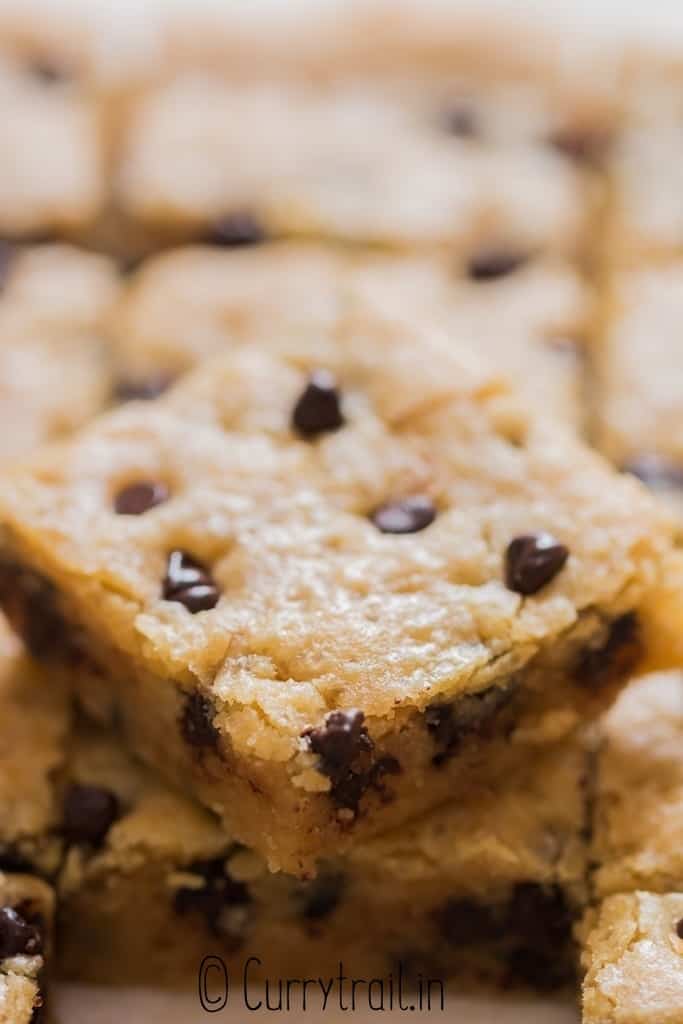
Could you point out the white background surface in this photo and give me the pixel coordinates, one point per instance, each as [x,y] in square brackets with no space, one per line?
[659,21]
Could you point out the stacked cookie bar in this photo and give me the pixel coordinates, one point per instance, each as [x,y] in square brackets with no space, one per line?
[320,587]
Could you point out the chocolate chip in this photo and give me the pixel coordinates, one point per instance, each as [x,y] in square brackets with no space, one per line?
[217,892]
[318,409]
[189,583]
[616,657]
[532,560]
[461,922]
[135,499]
[18,937]
[88,813]
[586,145]
[679,928]
[539,914]
[236,229]
[409,515]
[459,118]
[345,751]
[469,715]
[12,862]
[47,71]
[196,722]
[321,896]
[30,603]
[655,471]
[543,970]
[489,264]
[339,741]
[8,252]
[142,389]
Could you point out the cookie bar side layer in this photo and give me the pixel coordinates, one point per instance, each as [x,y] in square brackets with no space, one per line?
[633,960]
[486,888]
[314,584]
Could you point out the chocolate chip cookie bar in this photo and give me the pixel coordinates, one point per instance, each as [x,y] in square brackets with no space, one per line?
[56,366]
[26,913]
[637,364]
[51,147]
[190,303]
[634,960]
[35,723]
[481,890]
[633,951]
[325,590]
[646,213]
[390,162]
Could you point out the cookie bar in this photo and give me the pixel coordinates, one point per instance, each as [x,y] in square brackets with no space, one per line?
[640,758]
[26,913]
[396,163]
[634,961]
[51,147]
[56,368]
[633,953]
[646,213]
[36,723]
[481,890]
[190,303]
[314,583]
[637,365]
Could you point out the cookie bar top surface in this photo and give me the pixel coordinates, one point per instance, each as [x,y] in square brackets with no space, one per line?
[51,148]
[638,422]
[55,367]
[188,304]
[293,493]
[640,765]
[634,961]
[26,911]
[350,160]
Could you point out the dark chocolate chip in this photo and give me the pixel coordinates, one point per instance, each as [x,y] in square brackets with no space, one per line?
[459,118]
[461,922]
[143,389]
[47,71]
[532,560]
[135,499]
[196,722]
[656,472]
[490,264]
[318,409]
[543,970]
[339,741]
[679,928]
[470,715]
[88,814]
[189,583]
[8,252]
[409,515]
[30,603]
[616,657]
[345,751]
[18,937]
[217,892]
[585,145]
[539,914]
[236,229]
[321,896]
[12,862]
